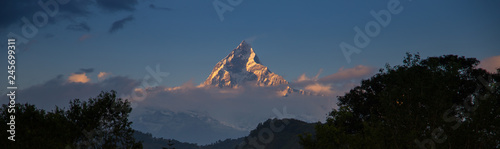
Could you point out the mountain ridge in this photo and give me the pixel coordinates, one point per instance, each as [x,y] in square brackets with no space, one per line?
[287,136]
[242,67]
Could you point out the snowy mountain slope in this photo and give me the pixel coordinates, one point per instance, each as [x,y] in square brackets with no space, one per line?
[242,66]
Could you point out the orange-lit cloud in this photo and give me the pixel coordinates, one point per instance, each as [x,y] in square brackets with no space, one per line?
[103,75]
[303,77]
[186,86]
[84,37]
[490,64]
[320,89]
[357,72]
[334,84]
[78,78]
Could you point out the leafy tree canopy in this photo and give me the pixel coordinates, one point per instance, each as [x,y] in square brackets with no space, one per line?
[438,102]
[100,122]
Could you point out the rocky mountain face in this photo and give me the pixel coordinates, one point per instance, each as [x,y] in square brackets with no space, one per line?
[242,67]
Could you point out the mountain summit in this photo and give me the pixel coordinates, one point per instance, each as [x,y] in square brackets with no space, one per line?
[242,66]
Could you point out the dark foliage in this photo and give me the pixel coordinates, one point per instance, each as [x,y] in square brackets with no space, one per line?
[100,122]
[439,102]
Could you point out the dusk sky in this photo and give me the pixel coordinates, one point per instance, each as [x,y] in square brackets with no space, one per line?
[187,38]
[89,46]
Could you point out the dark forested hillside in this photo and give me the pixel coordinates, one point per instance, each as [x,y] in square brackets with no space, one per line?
[271,134]
[148,141]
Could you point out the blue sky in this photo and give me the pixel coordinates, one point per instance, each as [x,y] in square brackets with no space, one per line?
[187,38]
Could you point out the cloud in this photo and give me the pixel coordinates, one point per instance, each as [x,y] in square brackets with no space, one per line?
[121,84]
[78,78]
[244,107]
[152,6]
[320,89]
[119,24]
[29,45]
[59,91]
[241,108]
[103,75]
[251,39]
[357,72]
[84,37]
[77,8]
[303,77]
[85,70]
[335,84]
[184,87]
[490,64]
[117,5]
[12,10]
[79,27]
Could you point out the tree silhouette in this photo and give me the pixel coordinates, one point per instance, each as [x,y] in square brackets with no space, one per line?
[441,102]
[100,122]
[170,145]
[103,122]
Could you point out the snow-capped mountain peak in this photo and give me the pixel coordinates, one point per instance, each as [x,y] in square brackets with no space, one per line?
[242,66]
